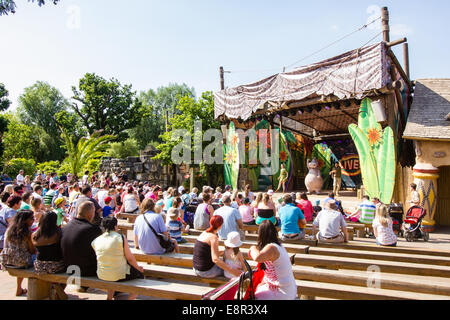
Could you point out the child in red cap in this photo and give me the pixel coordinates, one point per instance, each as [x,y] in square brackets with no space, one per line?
[107,210]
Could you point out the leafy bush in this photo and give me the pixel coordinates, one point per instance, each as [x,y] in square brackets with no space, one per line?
[49,167]
[92,165]
[121,150]
[13,167]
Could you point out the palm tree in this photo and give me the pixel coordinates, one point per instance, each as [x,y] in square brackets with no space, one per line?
[87,148]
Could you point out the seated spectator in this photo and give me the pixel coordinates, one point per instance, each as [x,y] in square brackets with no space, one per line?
[248,193]
[382,228]
[203,213]
[218,194]
[256,203]
[233,257]
[144,237]
[3,198]
[76,240]
[266,211]
[115,262]
[278,282]
[331,223]
[193,193]
[7,214]
[232,220]
[306,206]
[174,225]
[60,211]
[49,195]
[365,212]
[291,218]
[206,259]
[47,241]
[86,195]
[131,201]
[18,248]
[26,200]
[246,212]
[107,210]
[38,208]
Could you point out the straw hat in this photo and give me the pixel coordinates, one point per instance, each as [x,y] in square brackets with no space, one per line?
[233,240]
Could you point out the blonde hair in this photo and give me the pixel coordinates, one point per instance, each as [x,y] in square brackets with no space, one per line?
[266,199]
[382,215]
[258,198]
[158,209]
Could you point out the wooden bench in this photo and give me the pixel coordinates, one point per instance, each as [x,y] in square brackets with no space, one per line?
[131,217]
[39,286]
[308,230]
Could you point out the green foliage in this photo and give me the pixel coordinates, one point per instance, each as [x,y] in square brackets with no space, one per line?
[106,105]
[49,167]
[155,104]
[87,148]
[13,166]
[121,150]
[4,101]
[9,6]
[376,151]
[92,165]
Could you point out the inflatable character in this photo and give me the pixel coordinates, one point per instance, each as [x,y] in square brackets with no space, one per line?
[313,179]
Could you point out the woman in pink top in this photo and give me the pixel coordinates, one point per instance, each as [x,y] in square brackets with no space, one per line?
[307,206]
[246,212]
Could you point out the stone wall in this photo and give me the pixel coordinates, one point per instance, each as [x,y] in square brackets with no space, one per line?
[141,168]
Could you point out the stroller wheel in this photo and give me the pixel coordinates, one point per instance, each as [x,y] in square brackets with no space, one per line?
[409,236]
[426,236]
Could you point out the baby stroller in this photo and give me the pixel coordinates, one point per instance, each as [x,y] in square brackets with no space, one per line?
[412,226]
[396,213]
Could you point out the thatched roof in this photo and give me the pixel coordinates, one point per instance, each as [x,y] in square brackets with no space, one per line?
[429,111]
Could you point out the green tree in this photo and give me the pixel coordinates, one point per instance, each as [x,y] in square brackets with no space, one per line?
[155,104]
[4,101]
[13,166]
[38,106]
[121,150]
[81,154]
[4,105]
[106,105]
[9,6]
[191,111]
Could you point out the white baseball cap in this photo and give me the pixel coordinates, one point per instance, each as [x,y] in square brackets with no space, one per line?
[233,240]
[270,192]
[180,189]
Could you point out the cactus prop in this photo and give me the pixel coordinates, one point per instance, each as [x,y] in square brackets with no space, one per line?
[376,151]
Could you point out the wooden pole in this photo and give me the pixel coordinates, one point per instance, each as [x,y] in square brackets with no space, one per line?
[385,24]
[222,79]
[406,59]
[396,42]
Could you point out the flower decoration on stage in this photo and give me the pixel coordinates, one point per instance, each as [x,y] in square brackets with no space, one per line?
[374,136]
[230,157]
[234,139]
[253,145]
[283,156]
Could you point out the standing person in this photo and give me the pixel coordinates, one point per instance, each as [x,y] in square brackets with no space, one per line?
[415,195]
[20,179]
[278,282]
[85,179]
[283,178]
[382,228]
[27,184]
[332,225]
[50,195]
[203,213]
[144,237]
[232,256]
[290,217]
[337,178]
[76,240]
[18,248]
[102,194]
[115,262]
[308,211]
[206,258]
[232,220]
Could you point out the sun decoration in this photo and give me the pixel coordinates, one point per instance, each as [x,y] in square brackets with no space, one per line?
[374,136]
[283,156]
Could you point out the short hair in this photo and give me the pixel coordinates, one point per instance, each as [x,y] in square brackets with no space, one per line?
[53,186]
[13,200]
[304,196]
[5,196]
[366,197]
[18,189]
[331,195]
[413,185]
[26,196]
[86,189]
[331,204]
[37,188]
[226,199]
[287,198]
[85,208]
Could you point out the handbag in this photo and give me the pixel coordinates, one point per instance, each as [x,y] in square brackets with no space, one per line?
[164,241]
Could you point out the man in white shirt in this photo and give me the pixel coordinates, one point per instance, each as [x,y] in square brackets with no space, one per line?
[232,219]
[37,192]
[331,223]
[85,179]
[20,178]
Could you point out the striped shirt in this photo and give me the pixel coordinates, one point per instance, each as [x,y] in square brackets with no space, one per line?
[367,209]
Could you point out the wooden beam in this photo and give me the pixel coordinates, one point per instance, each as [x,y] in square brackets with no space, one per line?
[396,42]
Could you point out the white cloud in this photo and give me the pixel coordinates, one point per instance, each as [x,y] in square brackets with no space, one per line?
[401,30]
[334,27]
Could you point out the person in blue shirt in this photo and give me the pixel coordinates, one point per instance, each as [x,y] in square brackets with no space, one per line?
[291,216]
[107,210]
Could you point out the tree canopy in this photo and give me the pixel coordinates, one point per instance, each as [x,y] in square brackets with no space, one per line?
[106,105]
[9,6]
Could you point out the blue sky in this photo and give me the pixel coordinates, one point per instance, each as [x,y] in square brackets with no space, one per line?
[152,43]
